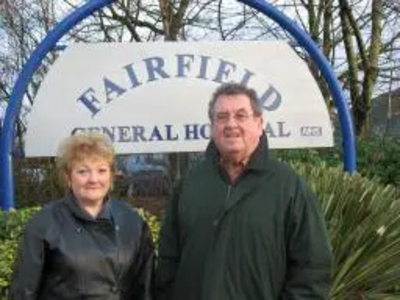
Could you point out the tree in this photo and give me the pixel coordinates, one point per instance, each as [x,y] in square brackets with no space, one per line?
[24,23]
[361,89]
[356,36]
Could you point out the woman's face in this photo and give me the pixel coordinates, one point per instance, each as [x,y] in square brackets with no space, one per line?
[90,179]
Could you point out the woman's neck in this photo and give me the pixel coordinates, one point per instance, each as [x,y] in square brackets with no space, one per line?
[92,208]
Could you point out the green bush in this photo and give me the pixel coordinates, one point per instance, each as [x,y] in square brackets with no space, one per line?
[363,219]
[11,228]
[330,157]
[380,158]
[153,223]
[7,257]
[377,158]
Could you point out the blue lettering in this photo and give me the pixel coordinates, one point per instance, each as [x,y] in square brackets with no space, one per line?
[184,64]
[205,131]
[132,76]
[246,77]
[281,129]
[138,131]
[191,132]
[123,134]
[111,88]
[88,99]
[224,70]
[155,66]
[89,129]
[77,129]
[110,132]
[94,129]
[156,135]
[168,129]
[269,102]
[269,131]
[203,67]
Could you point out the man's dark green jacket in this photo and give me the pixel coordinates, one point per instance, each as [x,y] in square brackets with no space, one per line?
[259,238]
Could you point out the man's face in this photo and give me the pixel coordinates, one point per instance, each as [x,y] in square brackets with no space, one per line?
[235,129]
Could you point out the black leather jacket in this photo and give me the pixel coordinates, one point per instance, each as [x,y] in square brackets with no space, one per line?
[67,254]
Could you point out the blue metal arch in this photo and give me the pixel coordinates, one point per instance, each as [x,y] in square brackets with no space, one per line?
[304,40]
[8,133]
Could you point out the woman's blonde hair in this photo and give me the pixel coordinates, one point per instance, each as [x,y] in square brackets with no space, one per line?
[82,146]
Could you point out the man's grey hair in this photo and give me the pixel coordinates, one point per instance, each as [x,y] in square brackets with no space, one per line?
[231,89]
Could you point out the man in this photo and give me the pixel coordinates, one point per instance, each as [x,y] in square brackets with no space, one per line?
[242,226]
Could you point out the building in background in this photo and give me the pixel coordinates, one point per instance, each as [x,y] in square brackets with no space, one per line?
[385,114]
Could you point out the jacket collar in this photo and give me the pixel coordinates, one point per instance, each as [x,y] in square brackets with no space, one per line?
[73,206]
[258,160]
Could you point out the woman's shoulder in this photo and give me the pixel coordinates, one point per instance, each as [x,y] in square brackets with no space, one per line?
[123,209]
[43,218]
[120,206]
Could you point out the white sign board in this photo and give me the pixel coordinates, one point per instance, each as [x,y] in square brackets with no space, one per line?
[153,97]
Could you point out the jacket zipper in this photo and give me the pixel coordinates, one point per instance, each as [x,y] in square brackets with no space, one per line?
[229,192]
[222,213]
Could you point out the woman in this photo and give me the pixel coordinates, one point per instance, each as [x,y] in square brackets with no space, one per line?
[85,245]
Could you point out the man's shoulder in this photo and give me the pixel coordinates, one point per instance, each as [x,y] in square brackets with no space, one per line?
[281,168]
[198,168]
[204,167]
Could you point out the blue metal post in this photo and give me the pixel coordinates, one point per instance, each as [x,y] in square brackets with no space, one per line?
[35,60]
[304,40]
